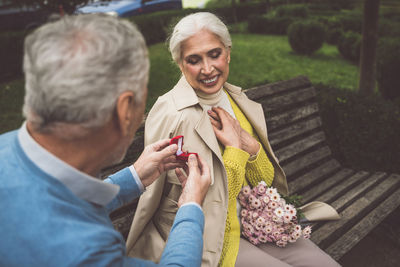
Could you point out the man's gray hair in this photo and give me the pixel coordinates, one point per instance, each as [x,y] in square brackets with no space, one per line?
[75,69]
[192,24]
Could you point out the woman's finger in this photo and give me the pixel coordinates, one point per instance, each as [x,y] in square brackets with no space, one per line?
[213,115]
[215,123]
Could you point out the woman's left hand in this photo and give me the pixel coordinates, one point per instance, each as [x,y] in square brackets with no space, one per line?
[227,128]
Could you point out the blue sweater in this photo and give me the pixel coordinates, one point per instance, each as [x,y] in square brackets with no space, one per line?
[43,223]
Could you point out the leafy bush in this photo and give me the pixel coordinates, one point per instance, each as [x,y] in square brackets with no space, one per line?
[349,46]
[294,11]
[269,25]
[306,37]
[388,66]
[362,130]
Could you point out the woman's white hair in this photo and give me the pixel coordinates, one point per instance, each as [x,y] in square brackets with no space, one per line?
[75,69]
[192,24]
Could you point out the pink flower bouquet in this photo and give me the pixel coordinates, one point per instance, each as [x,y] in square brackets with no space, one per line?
[267,217]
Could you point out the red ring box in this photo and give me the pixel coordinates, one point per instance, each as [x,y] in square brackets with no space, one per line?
[180,154]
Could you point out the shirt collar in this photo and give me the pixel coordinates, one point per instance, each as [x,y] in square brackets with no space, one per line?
[82,185]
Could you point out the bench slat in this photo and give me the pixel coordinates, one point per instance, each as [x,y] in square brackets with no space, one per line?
[314,175]
[305,161]
[337,189]
[325,235]
[283,119]
[262,91]
[294,130]
[286,100]
[355,191]
[366,225]
[300,146]
[328,183]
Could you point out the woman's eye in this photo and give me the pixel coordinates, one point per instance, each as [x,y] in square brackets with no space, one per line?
[215,54]
[192,61]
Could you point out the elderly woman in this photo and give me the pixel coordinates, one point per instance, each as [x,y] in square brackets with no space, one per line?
[229,131]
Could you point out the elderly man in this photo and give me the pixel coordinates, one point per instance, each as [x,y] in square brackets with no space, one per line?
[86,80]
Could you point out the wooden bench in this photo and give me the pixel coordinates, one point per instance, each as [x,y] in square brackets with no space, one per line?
[362,199]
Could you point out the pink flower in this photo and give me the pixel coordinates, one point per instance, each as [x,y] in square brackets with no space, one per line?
[262,239]
[279,212]
[256,203]
[271,191]
[273,204]
[285,238]
[243,213]
[287,218]
[255,215]
[296,234]
[268,229]
[260,220]
[275,197]
[254,240]
[266,217]
[246,190]
[307,230]
[281,243]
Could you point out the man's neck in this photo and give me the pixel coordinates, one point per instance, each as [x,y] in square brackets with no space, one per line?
[88,154]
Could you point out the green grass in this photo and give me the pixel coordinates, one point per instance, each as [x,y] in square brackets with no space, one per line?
[270,58]
[255,59]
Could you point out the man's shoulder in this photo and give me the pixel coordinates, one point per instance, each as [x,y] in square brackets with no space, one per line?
[7,139]
[53,226]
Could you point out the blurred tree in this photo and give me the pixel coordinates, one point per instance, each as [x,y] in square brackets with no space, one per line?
[368,46]
[56,6]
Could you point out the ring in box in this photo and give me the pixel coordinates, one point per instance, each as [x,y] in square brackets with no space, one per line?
[180,154]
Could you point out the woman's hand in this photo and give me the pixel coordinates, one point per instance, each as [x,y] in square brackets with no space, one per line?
[227,129]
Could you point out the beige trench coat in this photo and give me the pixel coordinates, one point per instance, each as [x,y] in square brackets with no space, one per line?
[178,113]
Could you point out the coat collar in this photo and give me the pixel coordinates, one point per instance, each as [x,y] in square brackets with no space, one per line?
[184,96]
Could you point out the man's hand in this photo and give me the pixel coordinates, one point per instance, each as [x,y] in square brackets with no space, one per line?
[195,185]
[156,159]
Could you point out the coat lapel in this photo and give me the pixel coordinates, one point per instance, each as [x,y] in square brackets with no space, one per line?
[184,96]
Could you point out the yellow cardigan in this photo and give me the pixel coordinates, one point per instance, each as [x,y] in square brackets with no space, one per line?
[241,170]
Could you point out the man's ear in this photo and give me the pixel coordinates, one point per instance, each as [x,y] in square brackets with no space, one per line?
[125,111]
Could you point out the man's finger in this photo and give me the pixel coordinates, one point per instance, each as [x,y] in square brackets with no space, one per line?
[204,169]
[181,177]
[173,165]
[167,151]
[159,145]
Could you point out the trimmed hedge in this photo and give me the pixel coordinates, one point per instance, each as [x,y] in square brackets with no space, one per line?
[294,11]
[269,25]
[388,66]
[349,46]
[306,37]
[362,130]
